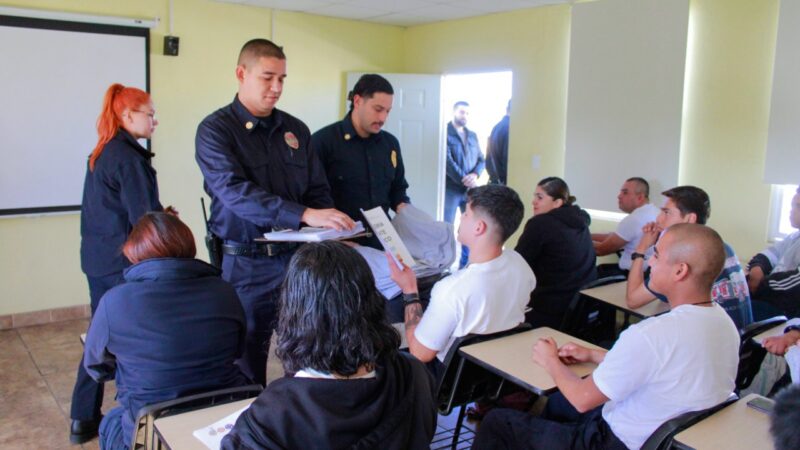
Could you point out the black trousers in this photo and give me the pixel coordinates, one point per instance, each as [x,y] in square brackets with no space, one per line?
[87,395]
[511,429]
[257,282]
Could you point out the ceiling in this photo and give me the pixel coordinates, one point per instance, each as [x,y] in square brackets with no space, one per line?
[399,12]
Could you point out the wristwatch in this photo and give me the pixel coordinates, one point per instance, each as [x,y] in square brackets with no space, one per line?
[635,256]
[791,328]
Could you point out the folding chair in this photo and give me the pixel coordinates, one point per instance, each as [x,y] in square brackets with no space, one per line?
[751,353]
[464,382]
[662,438]
[589,319]
[144,437]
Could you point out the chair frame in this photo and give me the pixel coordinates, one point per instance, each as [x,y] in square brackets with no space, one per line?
[662,438]
[147,415]
[575,321]
[464,382]
[751,353]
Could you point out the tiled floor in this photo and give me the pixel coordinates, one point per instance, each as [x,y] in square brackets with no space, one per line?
[37,373]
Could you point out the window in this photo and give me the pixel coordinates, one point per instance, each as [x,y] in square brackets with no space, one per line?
[779,226]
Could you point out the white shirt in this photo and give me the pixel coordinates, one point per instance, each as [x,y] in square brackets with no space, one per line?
[630,230]
[684,360]
[482,298]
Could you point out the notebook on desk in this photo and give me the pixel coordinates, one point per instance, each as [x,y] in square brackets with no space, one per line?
[314,234]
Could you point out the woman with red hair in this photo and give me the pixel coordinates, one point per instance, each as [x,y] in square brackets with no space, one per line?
[120,186]
[174,328]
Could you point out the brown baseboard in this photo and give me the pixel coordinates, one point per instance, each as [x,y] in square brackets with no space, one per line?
[44,316]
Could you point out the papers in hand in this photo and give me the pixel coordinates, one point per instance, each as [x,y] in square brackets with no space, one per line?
[211,436]
[384,230]
[313,234]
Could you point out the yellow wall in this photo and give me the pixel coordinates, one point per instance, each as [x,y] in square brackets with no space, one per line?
[726,113]
[726,105]
[39,264]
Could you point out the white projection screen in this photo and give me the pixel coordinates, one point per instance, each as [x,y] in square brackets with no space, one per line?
[52,80]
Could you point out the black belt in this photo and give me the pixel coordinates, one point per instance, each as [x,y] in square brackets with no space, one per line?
[258,249]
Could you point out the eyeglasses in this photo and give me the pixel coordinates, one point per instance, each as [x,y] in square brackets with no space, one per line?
[151,115]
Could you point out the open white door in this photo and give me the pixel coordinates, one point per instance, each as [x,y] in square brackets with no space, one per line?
[415,121]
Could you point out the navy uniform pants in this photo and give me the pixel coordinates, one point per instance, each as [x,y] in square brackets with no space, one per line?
[87,396]
[511,429]
[456,200]
[257,281]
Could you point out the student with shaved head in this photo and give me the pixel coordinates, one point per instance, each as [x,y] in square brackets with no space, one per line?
[684,360]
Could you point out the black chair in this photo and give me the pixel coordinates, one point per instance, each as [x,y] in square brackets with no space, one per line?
[662,438]
[144,437]
[751,353]
[464,382]
[589,319]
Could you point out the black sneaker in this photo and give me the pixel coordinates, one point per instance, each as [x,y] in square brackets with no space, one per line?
[81,431]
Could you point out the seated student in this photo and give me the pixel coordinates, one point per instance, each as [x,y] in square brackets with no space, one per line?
[684,360]
[351,386]
[784,419]
[557,245]
[487,296]
[173,328]
[689,204]
[634,199]
[774,274]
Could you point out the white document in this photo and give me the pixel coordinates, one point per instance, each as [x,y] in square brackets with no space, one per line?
[211,436]
[384,230]
[313,234]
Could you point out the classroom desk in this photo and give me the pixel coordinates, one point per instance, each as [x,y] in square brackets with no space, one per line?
[777,330]
[401,328]
[736,427]
[511,358]
[175,432]
[614,295]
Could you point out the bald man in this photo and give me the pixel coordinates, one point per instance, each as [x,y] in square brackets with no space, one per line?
[684,360]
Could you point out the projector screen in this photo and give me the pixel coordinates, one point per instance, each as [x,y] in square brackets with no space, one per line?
[52,80]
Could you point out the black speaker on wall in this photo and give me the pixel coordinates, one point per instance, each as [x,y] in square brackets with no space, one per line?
[171,45]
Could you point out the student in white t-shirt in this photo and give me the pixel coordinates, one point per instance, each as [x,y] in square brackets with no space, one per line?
[487,296]
[634,199]
[684,360]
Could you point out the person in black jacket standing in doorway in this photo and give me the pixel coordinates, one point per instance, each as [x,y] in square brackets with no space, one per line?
[558,246]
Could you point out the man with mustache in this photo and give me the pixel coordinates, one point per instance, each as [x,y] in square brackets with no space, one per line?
[261,175]
[362,161]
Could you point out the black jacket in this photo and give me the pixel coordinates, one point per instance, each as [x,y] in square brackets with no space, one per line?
[558,247]
[462,160]
[120,189]
[394,410]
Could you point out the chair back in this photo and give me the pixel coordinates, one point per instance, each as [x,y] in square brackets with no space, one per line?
[751,353]
[144,437]
[591,320]
[661,439]
[464,382]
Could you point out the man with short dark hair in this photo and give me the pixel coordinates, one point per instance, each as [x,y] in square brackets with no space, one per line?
[363,162]
[497,150]
[488,296]
[684,360]
[689,204]
[784,419]
[634,199]
[774,273]
[464,165]
[261,175]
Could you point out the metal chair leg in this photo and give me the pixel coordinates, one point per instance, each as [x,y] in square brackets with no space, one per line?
[457,432]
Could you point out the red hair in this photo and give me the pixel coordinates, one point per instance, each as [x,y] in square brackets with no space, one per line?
[118,98]
[159,235]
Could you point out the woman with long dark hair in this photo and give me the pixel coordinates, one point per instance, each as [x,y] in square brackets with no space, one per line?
[348,385]
[557,245]
[120,186]
[174,327]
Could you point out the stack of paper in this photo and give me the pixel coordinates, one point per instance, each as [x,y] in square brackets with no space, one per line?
[313,234]
[211,436]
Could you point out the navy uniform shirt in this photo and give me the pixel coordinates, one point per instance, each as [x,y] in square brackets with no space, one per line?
[363,173]
[116,194]
[259,172]
[462,160]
